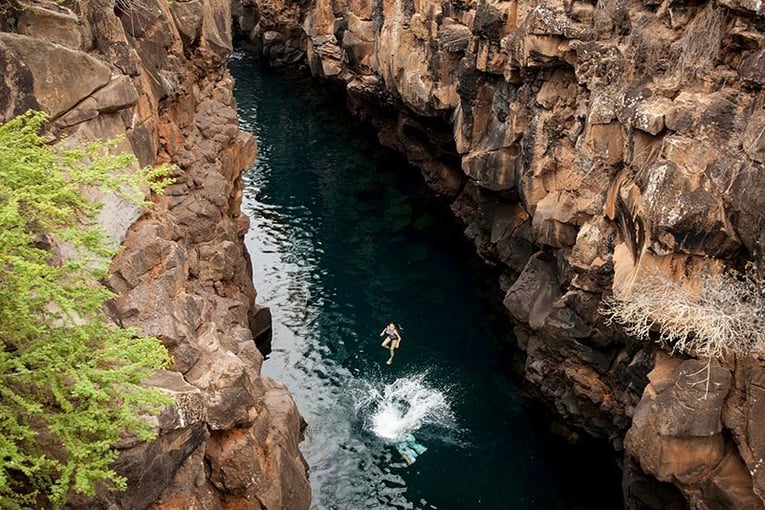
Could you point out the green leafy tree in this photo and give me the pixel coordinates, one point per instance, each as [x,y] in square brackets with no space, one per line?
[70,379]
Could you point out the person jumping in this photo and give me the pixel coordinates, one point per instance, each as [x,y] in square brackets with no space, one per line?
[392,340]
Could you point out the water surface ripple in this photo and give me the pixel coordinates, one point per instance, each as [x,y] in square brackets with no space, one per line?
[344,239]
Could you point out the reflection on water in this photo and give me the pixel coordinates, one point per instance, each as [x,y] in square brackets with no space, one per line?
[344,240]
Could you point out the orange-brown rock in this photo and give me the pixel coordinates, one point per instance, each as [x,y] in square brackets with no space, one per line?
[154,73]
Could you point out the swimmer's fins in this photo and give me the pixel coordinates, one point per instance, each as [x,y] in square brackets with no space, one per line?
[410,449]
[408,456]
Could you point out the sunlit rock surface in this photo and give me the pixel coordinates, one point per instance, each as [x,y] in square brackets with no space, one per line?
[154,73]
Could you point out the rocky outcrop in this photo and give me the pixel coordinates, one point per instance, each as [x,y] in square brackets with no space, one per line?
[154,74]
[586,146]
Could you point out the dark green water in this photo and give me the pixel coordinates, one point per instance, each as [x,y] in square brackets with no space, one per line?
[345,239]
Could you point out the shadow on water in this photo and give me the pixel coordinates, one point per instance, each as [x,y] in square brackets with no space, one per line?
[345,238]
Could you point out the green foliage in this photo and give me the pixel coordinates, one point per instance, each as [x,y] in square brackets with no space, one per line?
[69,378]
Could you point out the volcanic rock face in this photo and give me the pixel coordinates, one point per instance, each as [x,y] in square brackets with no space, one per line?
[586,146]
[154,73]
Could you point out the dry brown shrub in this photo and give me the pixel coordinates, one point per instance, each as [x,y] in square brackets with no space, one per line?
[699,46]
[132,7]
[643,51]
[724,315]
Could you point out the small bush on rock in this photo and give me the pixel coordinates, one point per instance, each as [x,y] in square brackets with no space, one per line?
[70,379]
[724,315]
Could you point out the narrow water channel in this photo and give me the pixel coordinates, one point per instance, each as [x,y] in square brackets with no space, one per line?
[344,239]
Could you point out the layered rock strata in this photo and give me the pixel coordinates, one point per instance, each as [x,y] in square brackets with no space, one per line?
[586,146]
[154,73]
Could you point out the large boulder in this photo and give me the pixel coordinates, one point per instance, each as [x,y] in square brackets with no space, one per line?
[42,75]
[677,434]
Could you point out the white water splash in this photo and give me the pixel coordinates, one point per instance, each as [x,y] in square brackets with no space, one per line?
[404,406]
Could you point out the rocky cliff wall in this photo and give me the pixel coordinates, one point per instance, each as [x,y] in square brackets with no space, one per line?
[586,146]
[154,73]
